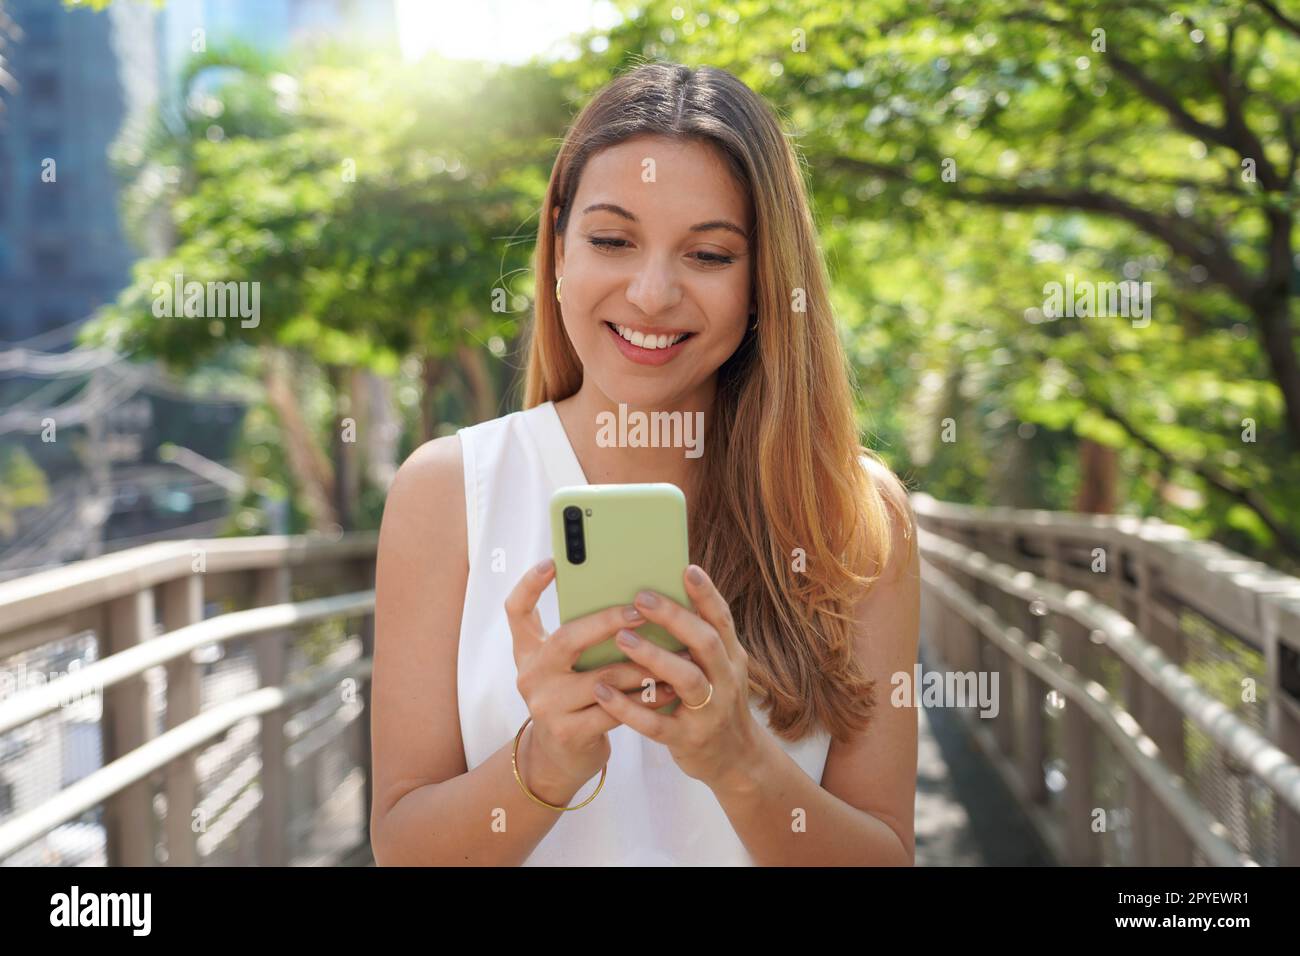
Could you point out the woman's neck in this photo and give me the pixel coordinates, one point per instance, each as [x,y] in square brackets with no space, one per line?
[611,451]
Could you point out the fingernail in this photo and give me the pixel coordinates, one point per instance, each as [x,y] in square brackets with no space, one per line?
[632,614]
[647,599]
[628,639]
[668,690]
[603,692]
[544,566]
[695,574]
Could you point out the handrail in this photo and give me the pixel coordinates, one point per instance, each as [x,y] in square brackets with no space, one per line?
[1235,736]
[46,698]
[1074,522]
[1194,571]
[58,592]
[132,767]
[1209,835]
[116,596]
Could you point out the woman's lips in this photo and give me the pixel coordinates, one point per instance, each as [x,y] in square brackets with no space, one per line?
[645,356]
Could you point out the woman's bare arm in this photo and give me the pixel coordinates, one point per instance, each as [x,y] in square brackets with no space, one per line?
[427,809]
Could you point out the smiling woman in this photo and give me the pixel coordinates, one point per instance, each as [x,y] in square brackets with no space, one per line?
[678,276]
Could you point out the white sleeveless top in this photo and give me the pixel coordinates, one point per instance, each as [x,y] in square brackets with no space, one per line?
[649,813]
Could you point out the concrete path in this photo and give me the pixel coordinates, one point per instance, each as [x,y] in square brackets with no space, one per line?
[964,814]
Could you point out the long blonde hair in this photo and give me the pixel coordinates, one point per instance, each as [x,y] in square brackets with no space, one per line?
[782,477]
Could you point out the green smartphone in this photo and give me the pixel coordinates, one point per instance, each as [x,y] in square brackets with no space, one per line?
[611,541]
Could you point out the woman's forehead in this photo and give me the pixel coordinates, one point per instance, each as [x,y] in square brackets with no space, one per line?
[660,178]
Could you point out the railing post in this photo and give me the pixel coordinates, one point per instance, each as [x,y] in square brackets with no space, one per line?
[364,574]
[961,638]
[272,669]
[991,658]
[1082,845]
[1281,617]
[182,605]
[1027,697]
[366,759]
[127,724]
[1161,719]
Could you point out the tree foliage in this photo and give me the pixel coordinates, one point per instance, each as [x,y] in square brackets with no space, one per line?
[962,157]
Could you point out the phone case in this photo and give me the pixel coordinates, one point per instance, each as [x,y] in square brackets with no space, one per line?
[635,538]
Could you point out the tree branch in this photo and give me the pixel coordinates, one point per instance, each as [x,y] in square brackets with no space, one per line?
[1286,538]
[1282,19]
[1244,141]
[1204,248]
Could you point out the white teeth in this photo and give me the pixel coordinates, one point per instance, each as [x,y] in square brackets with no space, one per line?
[649,342]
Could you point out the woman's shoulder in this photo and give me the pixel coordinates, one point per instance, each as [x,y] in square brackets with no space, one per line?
[427,482]
[439,489]
[890,486]
[438,464]
[501,424]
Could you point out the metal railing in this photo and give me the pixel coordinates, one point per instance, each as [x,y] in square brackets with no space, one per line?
[1154,707]
[232,678]
[1153,714]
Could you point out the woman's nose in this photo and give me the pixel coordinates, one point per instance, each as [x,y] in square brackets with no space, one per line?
[654,289]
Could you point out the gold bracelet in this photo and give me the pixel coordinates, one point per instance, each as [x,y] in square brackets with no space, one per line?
[514,763]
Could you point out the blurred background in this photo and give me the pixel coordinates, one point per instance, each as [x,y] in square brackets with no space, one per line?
[190,479]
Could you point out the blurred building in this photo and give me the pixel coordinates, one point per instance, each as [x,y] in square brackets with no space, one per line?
[272,25]
[76,84]
[62,252]
[69,80]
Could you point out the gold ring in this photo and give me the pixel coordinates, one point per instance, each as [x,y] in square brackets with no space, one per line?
[702,703]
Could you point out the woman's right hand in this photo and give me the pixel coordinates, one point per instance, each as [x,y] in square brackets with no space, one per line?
[566,743]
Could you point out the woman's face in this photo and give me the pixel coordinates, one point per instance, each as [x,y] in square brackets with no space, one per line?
[655,247]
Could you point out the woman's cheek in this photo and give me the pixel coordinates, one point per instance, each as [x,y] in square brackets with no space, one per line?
[578,327]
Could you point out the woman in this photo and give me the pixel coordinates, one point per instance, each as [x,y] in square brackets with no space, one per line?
[678,271]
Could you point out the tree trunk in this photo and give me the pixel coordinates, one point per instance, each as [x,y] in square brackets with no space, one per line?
[308,465]
[482,393]
[1273,312]
[349,425]
[383,430]
[1097,478]
[431,370]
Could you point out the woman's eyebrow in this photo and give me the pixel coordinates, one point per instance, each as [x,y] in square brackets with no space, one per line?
[698,227]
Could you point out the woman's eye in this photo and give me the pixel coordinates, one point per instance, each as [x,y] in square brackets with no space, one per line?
[708,258]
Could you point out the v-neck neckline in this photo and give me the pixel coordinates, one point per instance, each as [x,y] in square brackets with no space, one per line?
[558,456]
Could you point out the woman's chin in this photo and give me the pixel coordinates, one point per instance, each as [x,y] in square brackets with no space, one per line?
[647,396]
[659,390]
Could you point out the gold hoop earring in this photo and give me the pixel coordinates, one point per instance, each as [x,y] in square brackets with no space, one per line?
[557,288]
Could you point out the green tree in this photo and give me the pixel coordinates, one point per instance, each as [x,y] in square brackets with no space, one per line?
[22,485]
[964,155]
[374,206]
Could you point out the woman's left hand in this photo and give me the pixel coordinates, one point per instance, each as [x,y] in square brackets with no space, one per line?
[715,743]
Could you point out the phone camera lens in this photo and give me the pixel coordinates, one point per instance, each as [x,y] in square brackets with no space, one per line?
[574,544]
